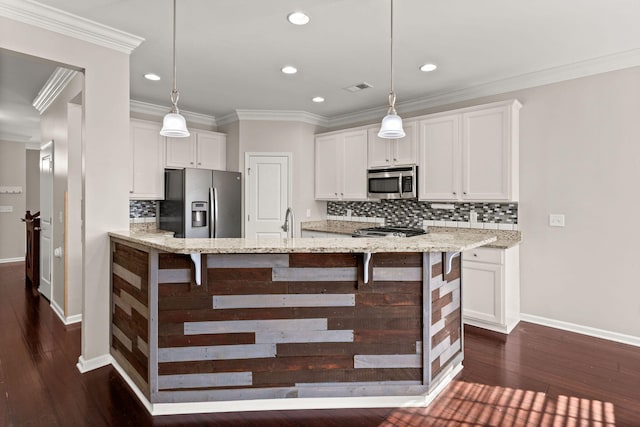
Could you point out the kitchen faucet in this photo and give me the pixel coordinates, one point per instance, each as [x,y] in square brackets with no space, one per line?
[285,226]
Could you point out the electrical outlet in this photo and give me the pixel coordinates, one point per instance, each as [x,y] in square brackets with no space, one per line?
[308,213]
[556,220]
[473,216]
[348,212]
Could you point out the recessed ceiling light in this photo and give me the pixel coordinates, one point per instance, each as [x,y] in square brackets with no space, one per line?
[428,67]
[152,77]
[298,18]
[288,69]
[318,99]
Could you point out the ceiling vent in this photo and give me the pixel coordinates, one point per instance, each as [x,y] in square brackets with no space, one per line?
[358,87]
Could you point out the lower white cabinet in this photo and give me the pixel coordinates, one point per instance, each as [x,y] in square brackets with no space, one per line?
[491,288]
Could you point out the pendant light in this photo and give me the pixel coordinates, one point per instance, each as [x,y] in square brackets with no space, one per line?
[391,127]
[174,125]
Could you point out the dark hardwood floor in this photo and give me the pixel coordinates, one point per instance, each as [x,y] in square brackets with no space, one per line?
[539,376]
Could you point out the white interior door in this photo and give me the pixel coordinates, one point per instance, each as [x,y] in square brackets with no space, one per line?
[267,194]
[46,213]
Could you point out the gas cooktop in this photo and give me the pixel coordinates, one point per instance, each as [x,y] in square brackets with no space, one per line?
[388,231]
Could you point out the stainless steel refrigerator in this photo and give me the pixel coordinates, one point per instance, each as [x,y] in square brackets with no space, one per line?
[201,203]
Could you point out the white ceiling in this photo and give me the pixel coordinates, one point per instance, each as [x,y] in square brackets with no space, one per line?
[230,52]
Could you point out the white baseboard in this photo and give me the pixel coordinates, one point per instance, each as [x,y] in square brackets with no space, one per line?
[85,365]
[7,260]
[288,404]
[580,329]
[67,320]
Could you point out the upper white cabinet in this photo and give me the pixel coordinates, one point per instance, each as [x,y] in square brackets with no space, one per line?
[203,149]
[470,154]
[341,165]
[147,161]
[383,152]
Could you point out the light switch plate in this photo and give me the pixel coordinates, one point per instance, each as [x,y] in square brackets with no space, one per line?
[6,208]
[556,220]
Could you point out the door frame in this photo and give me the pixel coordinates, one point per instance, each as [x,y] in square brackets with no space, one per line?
[247,156]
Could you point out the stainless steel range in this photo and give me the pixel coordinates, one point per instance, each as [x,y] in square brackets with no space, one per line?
[389,231]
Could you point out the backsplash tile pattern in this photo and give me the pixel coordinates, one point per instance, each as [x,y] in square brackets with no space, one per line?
[142,208]
[413,213]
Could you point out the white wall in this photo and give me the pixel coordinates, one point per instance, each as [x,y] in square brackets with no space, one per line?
[12,173]
[32,191]
[294,137]
[106,149]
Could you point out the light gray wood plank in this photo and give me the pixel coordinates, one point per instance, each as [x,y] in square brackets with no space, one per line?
[135,304]
[302,336]
[216,352]
[127,276]
[222,379]
[439,348]
[339,274]
[449,352]
[225,395]
[358,384]
[409,274]
[357,391]
[125,340]
[247,260]
[387,361]
[238,326]
[174,275]
[142,346]
[117,301]
[283,300]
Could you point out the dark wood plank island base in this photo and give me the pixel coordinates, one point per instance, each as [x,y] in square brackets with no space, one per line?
[284,330]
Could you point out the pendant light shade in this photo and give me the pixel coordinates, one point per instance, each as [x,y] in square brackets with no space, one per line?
[391,127]
[174,124]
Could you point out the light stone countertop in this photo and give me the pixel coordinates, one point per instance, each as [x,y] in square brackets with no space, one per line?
[504,239]
[432,242]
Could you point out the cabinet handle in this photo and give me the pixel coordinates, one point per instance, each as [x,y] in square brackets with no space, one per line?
[395,160]
[386,160]
[475,255]
[200,163]
[190,163]
[335,194]
[454,193]
[464,192]
[342,194]
[131,191]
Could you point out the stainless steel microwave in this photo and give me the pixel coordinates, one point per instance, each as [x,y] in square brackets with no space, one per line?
[393,183]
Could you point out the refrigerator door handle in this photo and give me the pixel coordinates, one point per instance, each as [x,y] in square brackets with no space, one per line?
[213,202]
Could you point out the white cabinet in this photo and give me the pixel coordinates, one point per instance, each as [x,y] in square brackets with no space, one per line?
[470,154]
[341,165]
[491,288]
[147,161]
[203,149]
[383,152]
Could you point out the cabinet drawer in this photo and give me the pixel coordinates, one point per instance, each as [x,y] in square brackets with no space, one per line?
[489,255]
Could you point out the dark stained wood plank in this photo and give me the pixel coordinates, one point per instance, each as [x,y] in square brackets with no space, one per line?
[323,260]
[333,349]
[388,299]
[401,259]
[413,323]
[174,261]
[287,378]
[321,287]
[238,274]
[178,340]
[246,287]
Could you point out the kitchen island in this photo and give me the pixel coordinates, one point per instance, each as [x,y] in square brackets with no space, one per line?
[204,325]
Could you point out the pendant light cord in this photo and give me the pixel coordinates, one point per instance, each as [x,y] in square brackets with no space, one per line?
[174,93]
[392,95]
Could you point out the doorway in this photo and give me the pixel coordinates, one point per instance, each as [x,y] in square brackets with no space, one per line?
[46,213]
[267,194]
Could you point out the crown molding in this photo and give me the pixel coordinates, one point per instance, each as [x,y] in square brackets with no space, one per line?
[59,21]
[159,111]
[56,83]
[275,116]
[603,64]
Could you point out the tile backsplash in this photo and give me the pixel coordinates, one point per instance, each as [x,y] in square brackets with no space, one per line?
[142,209]
[415,213]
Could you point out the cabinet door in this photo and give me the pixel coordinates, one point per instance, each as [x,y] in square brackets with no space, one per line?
[181,152]
[378,149]
[327,168]
[439,158]
[482,292]
[486,165]
[147,161]
[211,150]
[405,150]
[353,158]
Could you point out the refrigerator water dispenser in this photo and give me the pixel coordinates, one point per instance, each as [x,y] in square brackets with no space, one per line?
[199,214]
